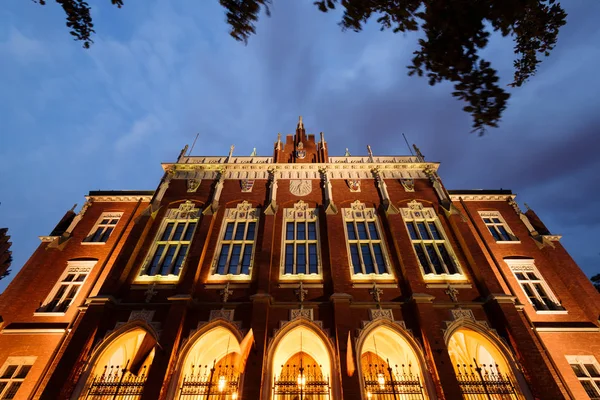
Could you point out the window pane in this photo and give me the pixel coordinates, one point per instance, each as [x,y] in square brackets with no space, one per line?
[578,370]
[381,269]
[240,230]
[312,231]
[496,220]
[71,294]
[23,371]
[435,261]
[246,259]
[367,259]
[178,231]
[106,234]
[355,258]
[422,258]
[532,276]
[494,233]
[373,231]
[97,234]
[350,229]
[312,258]
[167,233]
[105,221]
[300,231]
[12,390]
[487,220]
[229,231]
[423,231]
[590,390]
[114,221]
[180,257]
[412,231]
[591,369]
[549,303]
[289,258]
[235,258]
[69,278]
[2,386]
[251,231]
[9,371]
[189,232]
[521,276]
[289,231]
[157,254]
[300,258]
[166,265]
[434,231]
[80,278]
[504,233]
[362,232]
[446,258]
[223,259]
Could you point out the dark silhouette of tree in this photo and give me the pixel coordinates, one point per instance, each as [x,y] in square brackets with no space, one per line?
[596,281]
[453,34]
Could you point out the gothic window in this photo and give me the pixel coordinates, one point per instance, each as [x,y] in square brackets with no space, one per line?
[237,241]
[429,242]
[366,247]
[300,241]
[587,370]
[171,244]
[68,286]
[103,228]
[534,286]
[13,373]
[497,226]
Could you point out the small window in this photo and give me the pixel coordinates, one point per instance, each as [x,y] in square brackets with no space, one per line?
[366,248]
[433,251]
[103,227]
[68,287]
[169,251]
[497,227]
[13,373]
[533,285]
[235,253]
[587,370]
[300,242]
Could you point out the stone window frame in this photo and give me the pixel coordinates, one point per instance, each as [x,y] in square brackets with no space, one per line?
[16,377]
[187,213]
[242,213]
[584,375]
[300,212]
[416,212]
[109,226]
[77,268]
[358,211]
[525,266]
[495,226]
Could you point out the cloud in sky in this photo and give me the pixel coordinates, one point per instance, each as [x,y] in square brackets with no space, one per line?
[74,120]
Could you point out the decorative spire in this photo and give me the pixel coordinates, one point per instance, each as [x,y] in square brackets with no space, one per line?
[231,152]
[253,154]
[322,140]
[347,154]
[370,152]
[279,141]
[376,293]
[300,123]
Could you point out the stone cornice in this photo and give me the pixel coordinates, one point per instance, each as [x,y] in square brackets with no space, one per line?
[119,199]
[48,239]
[482,197]
[552,238]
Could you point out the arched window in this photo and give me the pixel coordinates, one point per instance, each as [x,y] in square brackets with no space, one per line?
[301,366]
[482,370]
[210,367]
[121,369]
[390,367]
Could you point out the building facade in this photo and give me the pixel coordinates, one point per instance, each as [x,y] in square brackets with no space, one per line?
[300,276]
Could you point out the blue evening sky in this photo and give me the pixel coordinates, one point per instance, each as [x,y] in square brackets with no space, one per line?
[74,120]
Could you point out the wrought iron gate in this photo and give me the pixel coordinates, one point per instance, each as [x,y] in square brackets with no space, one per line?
[301,383]
[117,383]
[382,382]
[484,382]
[203,383]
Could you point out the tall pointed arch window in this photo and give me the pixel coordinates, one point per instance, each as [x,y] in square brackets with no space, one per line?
[235,250]
[171,245]
[436,258]
[300,248]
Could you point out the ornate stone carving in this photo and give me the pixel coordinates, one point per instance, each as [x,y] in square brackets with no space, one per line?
[141,315]
[300,187]
[150,293]
[376,293]
[300,152]
[186,210]
[243,210]
[225,314]
[380,313]
[353,184]
[452,292]
[193,185]
[301,211]
[302,312]
[460,313]
[225,293]
[247,185]
[408,184]
[358,210]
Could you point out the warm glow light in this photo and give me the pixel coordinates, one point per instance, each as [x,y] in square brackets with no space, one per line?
[221,383]
[369,395]
[301,380]
[381,380]
[234,396]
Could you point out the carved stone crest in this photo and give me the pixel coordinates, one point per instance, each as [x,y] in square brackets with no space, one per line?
[300,152]
[141,315]
[300,187]
[353,184]
[193,185]
[247,185]
[408,184]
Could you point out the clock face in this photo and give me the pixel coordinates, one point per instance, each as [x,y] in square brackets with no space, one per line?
[301,187]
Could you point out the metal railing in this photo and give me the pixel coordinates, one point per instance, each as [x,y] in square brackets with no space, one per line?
[117,383]
[216,382]
[484,382]
[382,382]
[297,382]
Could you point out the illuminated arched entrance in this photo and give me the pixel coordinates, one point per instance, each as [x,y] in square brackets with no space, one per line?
[209,368]
[389,366]
[300,364]
[481,366]
[120,368]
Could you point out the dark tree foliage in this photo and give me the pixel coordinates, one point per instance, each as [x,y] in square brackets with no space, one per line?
[596,281]
[453,34]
